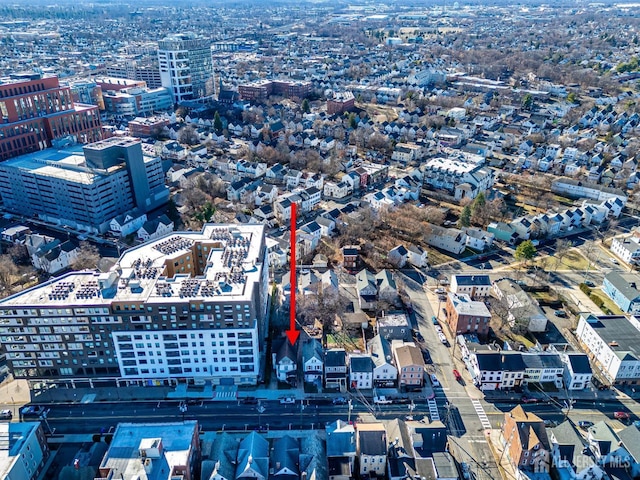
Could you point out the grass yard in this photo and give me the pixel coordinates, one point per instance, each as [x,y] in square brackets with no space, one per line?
[613,308]
[573,260]
[437,257]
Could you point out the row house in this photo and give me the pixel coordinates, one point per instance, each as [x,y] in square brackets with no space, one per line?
[450,240]
[336,191]
[525,441]
[496,370]
[50,254]
[385,372]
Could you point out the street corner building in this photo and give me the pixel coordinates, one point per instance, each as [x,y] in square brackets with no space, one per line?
[190,306]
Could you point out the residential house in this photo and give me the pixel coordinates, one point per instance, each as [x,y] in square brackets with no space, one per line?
[492,370]
[612,343]
[478,239]
[570,457]
[335,369]
[341,450]
[336,191]
[397,256]
[292,179]
[128,223]
[630,441]
[624,289]
[154,229]
[543,368]
[50,254]
[222,459]
[386,286]
[312,360]
[285,458]
[367,289]
[401,462]
[15,234]
[253,458]
[327,226]
[627,249]
[523,310]
[360,372]
[394,325]
[410,365]
[577,371]
[605,445]
[350,257]
[417,256]
[462,178]
[450,240]
[476,286]
[467,316]
[504,232]
[385,373]
[285,361]
[371,441]
[526,441]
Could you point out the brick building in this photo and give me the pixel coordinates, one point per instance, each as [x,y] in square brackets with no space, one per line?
[36,111]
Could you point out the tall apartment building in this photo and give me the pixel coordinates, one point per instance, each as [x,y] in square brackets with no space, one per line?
[340,102]
[191,305]
[143,70]
[36,111]
[85,187]
[185,66]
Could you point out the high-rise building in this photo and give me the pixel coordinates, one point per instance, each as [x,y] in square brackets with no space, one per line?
[185,66]
[84,187]
[36,111]
[190,305]
[145,70]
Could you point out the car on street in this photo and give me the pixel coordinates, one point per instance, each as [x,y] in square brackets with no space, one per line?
[434,380]
[434,320]
[619,415]
[456,374]
[560,313]
[439,290]
[427,356]
[340,401]
[442,298]
[6,414]
[526,399]
[249,400]
[33,411]
[590,284]
[287,400]
[418,336]
[585,424]
[614,261]
[442,338]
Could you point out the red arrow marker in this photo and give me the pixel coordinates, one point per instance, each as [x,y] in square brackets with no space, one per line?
[292,333]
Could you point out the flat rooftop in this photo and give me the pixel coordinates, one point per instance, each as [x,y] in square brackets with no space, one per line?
[617,331]
[12,438]
[233,266]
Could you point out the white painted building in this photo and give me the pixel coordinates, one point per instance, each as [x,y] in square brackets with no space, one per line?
[613,344]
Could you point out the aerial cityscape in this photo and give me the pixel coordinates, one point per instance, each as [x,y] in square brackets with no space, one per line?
[320,240]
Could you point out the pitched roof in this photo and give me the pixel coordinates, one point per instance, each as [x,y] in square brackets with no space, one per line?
[628,284]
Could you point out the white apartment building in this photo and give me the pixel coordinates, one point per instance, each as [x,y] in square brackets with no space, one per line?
[185,66]
[612,343]
[192,305]
[460,177]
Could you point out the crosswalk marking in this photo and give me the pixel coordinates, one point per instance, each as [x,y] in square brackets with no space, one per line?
[225,395]
[433,410]
[484,420]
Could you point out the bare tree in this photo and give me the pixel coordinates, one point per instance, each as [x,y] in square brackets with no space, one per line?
[562,249]
[188,135]
[87,258]
[19,254]
[8,270]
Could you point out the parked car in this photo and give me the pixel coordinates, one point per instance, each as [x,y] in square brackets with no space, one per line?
[6,414]
[590,284]
[619,415]
[442,338]
[442,298]
[249,400]
[434,320]
[439,290]
[418,336]
[585,424]
[614,261]
[560,313]
[287,400]
[434,380]
[456,374]
[340,401]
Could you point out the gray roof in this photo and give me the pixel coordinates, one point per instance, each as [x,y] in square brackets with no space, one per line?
[465,306]
[579,363]
[544,360]
[618,333]
[602,434]
[630,438]
[222,459]
[253,453]
[571,445]
[445,465]
[373,442]
[381,352]
[628,284]
[312,348]
[361,363]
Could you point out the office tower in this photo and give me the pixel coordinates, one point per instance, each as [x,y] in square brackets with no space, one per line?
[36,111]
[185,66]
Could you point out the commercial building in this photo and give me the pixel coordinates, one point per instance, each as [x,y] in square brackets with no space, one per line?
[169,450]
[190,306]
[37,111]
[24,450]
[265,88]
[84,187]
[130,97]
[612,343]
[185,66]
[145,70]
